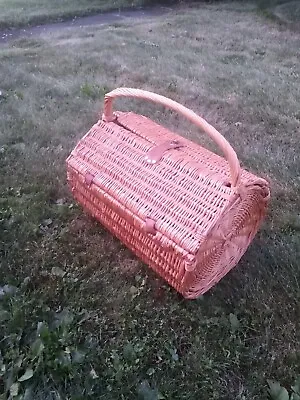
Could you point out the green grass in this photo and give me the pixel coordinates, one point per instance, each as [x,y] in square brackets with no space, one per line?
[289,12]
[285,13]
[88,320]
[18,13]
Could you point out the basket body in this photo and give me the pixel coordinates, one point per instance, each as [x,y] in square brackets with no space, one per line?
[178,214]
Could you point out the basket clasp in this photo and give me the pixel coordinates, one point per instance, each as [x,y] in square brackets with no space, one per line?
[156,153]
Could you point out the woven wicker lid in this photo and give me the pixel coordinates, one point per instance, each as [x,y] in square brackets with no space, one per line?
[181,196]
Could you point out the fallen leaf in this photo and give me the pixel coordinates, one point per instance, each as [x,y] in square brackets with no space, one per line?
[56,271]
[93,374]
[60,202]
[47,222]
[14,389]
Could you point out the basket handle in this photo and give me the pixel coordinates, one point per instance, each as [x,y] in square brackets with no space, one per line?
[230,154]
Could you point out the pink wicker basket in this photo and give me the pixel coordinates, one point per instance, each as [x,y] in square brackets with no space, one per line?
[185,211]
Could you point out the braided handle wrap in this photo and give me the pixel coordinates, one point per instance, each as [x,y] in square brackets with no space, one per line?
[230,154]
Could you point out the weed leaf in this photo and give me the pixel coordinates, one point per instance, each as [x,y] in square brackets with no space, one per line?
[56,271]
[27,375]
[146,392]
[77,356]
[129,352]
[277,392]
[64,318]
[37,348]
[4,315]
[234,322]
[296,387]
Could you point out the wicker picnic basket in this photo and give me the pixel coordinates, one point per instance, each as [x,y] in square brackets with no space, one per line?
[185,211]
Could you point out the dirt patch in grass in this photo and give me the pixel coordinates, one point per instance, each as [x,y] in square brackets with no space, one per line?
[140,338]
[20,13]
[112,18]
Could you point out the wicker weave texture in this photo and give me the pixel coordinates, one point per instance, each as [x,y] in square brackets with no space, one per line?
[203,210]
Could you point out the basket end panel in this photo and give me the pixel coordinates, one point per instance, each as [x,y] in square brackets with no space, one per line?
[226,242]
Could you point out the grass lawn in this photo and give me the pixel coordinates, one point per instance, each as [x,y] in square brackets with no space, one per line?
[289,12]
[15,13]
[80,316]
